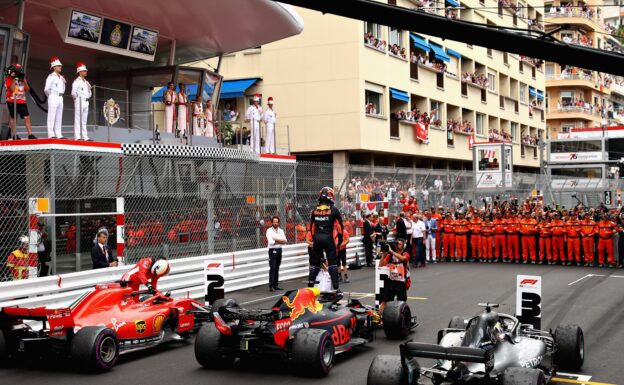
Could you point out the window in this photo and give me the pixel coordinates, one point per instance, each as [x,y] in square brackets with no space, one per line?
[550,70]
[514,132]
[373,28]
[520,66]
[566,98]
[435,112]
[505,57]
[373,99]
[523,92]
[395,37]
[491,82]
[480,123]
[576,146]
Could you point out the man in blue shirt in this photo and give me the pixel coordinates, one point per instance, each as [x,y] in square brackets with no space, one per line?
[430,241]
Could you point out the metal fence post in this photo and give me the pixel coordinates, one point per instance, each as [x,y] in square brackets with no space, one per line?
[53,211]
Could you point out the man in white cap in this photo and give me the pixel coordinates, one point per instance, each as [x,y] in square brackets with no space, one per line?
[81,92]
[269,123]
[54,90]
[254,115]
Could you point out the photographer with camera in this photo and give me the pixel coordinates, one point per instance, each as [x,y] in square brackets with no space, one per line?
[17,86]
[396,284]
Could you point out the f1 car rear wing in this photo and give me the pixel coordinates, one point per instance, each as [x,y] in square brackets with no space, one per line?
[37,313]
[458,353]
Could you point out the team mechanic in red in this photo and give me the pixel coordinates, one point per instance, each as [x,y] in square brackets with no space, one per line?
[146,272]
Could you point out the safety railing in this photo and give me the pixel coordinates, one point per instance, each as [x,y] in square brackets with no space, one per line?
[243,270]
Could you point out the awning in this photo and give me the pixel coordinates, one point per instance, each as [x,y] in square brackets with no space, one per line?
[532,92]
[453,53]
[439,53]
[540,95]
[191,93]
[453,3]
[399,95]
[419,42]
[236,88]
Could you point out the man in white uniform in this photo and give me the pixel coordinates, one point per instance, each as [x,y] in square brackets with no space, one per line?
[254,115]
[269,124]
[54,90]
[169,98]
[199,125]
[81,92]
[182,102]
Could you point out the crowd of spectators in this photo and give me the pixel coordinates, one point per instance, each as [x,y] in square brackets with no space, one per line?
[574,72]
[579,104]
[395,50]
[463,127]
[537,63]
[510,5]
[437,65]
[581,39]
[479,80]
[537,103]
[496,135]
[571,10]
[529,139]
[373,42]
[535,24]
[451,13]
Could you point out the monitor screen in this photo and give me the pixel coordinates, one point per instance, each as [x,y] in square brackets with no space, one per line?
[143,41]
[85,27]
[115,34]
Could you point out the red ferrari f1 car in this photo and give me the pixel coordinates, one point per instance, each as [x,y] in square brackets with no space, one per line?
[98,326]
[305,327]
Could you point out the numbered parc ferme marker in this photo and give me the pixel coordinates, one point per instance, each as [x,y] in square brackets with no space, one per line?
[214,282]
[529,300]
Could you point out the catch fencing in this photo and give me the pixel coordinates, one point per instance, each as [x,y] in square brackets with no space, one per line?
[184,206]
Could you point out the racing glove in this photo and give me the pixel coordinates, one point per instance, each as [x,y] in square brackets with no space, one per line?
[150,288]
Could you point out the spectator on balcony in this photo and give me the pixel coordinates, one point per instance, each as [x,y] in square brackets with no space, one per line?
[370,109]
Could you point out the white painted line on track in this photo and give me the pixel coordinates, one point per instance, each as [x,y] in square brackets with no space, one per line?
[595,275]
[580,279]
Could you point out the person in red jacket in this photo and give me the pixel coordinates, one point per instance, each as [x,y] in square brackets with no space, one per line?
[20,262]
[461,237]
[512,224]
[146,272]
[588,230]
[545,238]
[70,234]
[487,228]
[410,205]
[500,246]
[606,229]
[528,227]
[557,228]
[449,237]
[573,233]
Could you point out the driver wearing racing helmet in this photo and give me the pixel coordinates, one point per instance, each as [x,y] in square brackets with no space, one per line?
[326,231]
[146,272]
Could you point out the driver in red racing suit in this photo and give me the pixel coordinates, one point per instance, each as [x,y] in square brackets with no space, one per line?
[146,272]
[326,231]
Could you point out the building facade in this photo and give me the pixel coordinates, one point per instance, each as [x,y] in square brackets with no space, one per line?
[347,90]
[578,97]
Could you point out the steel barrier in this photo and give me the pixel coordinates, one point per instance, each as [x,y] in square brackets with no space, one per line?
[243,270]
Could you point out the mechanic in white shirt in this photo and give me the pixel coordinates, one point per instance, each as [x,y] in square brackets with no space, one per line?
[275,238]
[418,234]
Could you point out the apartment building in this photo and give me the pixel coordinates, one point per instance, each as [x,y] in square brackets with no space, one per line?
[579,97]
[346,89]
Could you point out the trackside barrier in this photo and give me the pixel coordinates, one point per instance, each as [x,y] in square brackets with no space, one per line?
[243,270]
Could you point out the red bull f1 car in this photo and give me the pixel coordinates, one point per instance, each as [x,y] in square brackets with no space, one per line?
[488,348]
[98,326]
[304,327]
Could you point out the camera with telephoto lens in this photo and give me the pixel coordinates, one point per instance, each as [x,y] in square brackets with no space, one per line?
[385,246]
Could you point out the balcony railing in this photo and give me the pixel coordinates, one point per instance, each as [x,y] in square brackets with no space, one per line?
[617,88]
[588,111]
[575,12]
[579,76]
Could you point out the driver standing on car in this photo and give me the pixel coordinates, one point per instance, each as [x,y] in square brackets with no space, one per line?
[395,285]
[326,231]
[147,272]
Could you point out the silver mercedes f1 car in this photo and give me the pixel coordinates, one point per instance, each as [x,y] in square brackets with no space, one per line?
[489,347]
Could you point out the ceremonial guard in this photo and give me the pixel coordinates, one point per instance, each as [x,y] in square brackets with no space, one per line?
[170,99]
[210,132]
[182,103]
[81,93]
[199,121]
[254,115]
[269,124]
[54,90]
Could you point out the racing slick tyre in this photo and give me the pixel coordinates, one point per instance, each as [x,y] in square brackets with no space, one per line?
[313,352]
[397,320]
[570,342]
[209,345]
[4,349]
[386,369]
[523,376]
[224,302]
[457,322]
[95,348]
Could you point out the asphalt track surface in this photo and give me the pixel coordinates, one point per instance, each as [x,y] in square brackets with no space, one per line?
[595,303]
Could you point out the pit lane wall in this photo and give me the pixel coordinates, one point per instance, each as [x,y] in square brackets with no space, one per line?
[243,270]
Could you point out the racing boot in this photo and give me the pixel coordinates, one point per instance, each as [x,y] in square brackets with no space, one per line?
[314,270]
[333,273]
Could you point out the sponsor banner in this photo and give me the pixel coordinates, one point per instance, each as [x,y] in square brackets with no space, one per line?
[493,180]
[567,157]
[581,183]
[213,281]
[529,299]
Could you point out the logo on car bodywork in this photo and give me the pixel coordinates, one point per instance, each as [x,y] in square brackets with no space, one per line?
[140,326]
[304,300]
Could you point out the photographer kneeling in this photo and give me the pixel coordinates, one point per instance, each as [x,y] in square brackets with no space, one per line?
[397,261]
